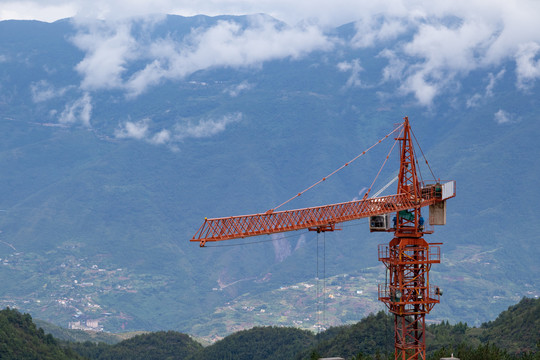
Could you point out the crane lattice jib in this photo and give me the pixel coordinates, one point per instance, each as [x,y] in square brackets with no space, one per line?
[233,227]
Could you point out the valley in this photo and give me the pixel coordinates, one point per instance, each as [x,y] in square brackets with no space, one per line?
[103,184]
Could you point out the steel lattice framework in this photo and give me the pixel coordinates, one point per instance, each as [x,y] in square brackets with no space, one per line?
[234,227]
[407,292]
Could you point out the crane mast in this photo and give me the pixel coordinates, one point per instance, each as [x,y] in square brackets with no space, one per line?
[407,292]
[408,259]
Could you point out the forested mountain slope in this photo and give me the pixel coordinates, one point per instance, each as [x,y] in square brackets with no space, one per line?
[513,335]
[20,339]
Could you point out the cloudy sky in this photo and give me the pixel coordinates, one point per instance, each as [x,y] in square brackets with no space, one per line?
[326,12]
[451,37]
[450,40]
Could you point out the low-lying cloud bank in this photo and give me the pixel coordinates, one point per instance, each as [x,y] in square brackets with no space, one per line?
[111,49]
[427,46]
[207,127]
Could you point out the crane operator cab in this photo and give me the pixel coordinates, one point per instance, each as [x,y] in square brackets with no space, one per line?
[379,222]
[383,223]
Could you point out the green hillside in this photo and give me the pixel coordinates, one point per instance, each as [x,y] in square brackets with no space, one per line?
[270,343]
[516,329]
[159,345]
[20,339]
[72,335]
[513,335]
[373,334]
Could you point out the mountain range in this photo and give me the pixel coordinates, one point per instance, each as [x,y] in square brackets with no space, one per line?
[119,138]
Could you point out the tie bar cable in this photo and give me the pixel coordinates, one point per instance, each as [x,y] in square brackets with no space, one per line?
[335,171]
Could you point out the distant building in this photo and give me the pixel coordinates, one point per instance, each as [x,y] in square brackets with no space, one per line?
[94,324]
[450,358]
[89,325]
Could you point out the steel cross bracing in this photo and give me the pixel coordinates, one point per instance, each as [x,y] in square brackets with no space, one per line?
[407,292]
[234,227]
[408,259]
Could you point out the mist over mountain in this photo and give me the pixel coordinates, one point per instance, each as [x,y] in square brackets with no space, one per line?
[119,137]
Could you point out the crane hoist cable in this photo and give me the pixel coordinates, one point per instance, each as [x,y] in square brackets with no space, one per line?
[317,295]
[321,309]
[424,156]
[418,167]
[382,166]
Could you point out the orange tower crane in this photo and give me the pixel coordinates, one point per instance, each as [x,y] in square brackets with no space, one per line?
[407,292]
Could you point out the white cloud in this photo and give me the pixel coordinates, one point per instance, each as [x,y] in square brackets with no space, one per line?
[439,42]
[133,130]
[528,64]
[447,47]
[371,30]
[43,91]
[492,81]
[160,138]
[110,48]
[355,69]
[395,68]
[503,117]
[142,130]
[332,13]
[235,90]
[51,10]
[423,89]
[442,52]
[205,128]
[226,44]
[78,111]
